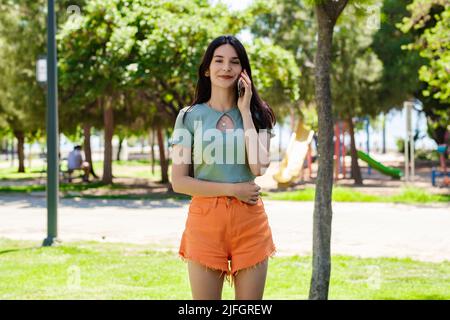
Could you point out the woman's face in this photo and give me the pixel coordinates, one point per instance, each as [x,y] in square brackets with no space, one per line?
[225,62]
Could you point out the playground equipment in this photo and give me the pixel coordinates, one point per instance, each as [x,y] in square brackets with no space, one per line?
[339,150]
[441,149]
[339,155]
[392,172]
[298,149]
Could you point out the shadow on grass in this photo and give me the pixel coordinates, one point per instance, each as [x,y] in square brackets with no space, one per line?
[19,250]
[131,201]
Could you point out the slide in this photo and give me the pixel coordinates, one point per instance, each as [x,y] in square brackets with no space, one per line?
[292,163]
[389,171]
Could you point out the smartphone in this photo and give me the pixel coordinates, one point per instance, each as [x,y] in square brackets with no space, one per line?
[240,88]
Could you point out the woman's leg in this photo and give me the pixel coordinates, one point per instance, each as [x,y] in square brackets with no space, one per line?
[206,284]
[249,283]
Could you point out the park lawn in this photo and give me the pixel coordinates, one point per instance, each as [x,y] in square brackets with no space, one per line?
[342,194]
[132,169]
[121,169]
[10,173]
[94,270]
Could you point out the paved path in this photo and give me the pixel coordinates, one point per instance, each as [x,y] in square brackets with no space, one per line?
[360,229]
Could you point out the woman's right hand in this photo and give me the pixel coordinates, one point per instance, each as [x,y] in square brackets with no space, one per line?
[246,191]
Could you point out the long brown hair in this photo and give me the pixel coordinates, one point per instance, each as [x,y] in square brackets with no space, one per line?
[262,115]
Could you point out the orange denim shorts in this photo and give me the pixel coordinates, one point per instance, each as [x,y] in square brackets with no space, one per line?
[226,234]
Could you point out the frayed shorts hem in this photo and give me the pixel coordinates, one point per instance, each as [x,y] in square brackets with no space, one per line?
[230,275]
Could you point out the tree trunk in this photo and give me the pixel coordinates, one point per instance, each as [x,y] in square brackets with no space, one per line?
[355,170]
[3,146]
[292,118]
[108,118]
[168,161]
[12,152]
[384,134]
[87,147]
[119,148]
[327,13]
[152,149]
[162,156]
[20,149]
[7,149]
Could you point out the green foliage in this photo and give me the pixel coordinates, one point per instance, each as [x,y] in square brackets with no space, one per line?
[22,102]
[146,55]
[356,70]
[433,44]
[292,25]
[400,80]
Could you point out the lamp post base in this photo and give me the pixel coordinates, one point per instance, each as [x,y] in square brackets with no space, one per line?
[51,241]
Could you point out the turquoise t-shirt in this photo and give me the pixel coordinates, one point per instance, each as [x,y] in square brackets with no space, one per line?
[218,156]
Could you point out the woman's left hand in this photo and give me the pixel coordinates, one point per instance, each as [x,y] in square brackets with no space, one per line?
[244,101]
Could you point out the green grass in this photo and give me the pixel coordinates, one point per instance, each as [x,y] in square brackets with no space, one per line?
[131,169]
[93,270]
[121,169]
[72,191]
[12,174]
[342,194]
[62,187]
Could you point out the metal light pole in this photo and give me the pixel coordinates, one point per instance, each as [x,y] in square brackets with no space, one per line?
[52,129]
[369,169]
[409,142]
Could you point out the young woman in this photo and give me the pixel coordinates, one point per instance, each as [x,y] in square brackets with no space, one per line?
[227,234]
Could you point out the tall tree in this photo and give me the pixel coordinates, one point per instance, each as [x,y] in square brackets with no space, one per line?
[355,76]
[327,13]
[21,98]
[291,24]
[97,81]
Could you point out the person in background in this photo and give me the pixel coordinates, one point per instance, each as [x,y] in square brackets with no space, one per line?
[75,162]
